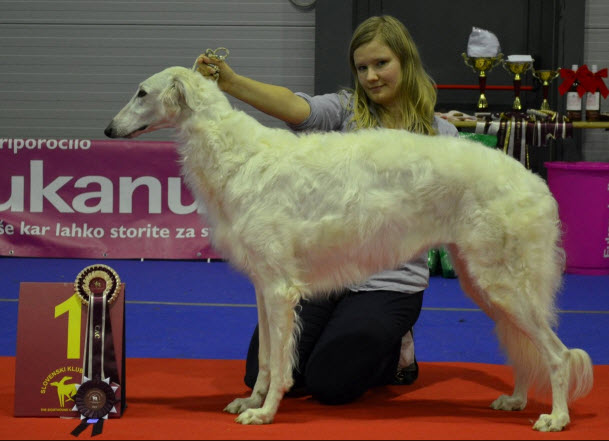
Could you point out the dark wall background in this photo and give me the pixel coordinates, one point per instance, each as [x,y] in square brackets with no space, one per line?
[551,31]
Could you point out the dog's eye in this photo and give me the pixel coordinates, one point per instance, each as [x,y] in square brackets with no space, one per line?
[141,93]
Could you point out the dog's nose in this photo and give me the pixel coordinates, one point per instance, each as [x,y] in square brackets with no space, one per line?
[108,132]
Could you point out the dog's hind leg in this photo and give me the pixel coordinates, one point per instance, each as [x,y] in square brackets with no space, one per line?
[539,357]
[535,350]
[506,332]
[503,328]
[570,376]
[276,358]
[570,370]
[517,346]
[521,305]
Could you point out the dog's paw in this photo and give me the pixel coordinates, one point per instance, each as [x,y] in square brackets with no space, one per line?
[552,422]
[255,416]
[242,404]
[507,402]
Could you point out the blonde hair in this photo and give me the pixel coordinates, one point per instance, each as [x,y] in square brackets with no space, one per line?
[417,91]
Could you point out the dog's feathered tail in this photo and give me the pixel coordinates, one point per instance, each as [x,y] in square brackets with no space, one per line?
[581,374]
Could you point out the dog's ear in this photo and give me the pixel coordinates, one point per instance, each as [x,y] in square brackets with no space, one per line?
[181,93]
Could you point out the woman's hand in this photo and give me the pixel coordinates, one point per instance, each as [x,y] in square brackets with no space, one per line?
[277,101]
[215,68]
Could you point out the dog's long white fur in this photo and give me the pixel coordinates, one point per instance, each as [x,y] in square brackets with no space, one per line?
[308,214]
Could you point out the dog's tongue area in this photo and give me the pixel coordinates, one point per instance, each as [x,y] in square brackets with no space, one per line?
[137,131]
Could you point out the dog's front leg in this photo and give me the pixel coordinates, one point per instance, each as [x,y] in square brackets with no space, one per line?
[281,342]
[261,387]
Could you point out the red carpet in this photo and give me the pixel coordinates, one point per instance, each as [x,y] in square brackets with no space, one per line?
[183,399]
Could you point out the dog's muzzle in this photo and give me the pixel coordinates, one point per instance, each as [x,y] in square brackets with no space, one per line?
[110,132]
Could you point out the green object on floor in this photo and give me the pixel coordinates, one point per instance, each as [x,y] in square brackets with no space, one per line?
[439,263]
[448,272]
[433,262]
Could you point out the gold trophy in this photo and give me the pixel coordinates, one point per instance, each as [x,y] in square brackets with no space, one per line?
[518,65]
[546,76]
[482,65]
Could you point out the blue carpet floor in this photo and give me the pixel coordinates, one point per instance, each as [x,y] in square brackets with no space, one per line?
[206,310]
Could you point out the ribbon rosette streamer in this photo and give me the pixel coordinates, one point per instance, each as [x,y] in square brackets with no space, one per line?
[98,286]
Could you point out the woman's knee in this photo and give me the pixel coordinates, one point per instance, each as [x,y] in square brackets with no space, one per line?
[342,370]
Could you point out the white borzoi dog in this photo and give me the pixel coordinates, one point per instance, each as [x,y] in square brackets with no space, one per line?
[310,213]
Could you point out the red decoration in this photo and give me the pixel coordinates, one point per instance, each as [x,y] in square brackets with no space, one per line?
[588,81]
[594,82]
[570,77]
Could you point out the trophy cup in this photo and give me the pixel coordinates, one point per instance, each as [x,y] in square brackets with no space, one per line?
[482,65]
[518,65]
[546,76]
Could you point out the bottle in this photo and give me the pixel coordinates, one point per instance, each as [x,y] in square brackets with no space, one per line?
[574,101]
[593,102]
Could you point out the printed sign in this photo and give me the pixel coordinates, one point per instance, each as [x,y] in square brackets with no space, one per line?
[51,330]
[97,199]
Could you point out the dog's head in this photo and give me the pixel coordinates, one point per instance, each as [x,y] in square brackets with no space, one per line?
[159,102]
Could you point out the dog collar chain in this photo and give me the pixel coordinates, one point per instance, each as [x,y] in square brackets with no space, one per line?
[217,53]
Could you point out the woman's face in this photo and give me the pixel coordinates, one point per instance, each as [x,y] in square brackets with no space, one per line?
[379,72]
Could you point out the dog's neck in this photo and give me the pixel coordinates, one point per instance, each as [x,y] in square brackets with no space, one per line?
[225,133]
[220,137]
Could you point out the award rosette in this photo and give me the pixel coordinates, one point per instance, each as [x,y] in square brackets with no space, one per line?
[95,399]
[97,286]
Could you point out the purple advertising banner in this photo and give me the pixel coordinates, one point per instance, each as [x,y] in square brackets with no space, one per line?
[84,198]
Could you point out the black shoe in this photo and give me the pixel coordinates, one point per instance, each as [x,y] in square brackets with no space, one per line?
[407,375]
